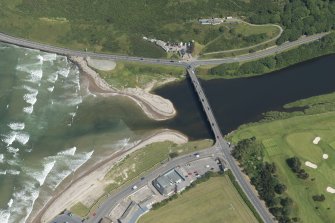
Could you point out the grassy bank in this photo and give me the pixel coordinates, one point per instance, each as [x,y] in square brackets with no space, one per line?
[266,65]
[287,137]
[215,200]
[144,159]
[129,74]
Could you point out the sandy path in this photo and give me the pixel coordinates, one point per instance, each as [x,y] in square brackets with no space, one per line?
[154,106]
[91,184]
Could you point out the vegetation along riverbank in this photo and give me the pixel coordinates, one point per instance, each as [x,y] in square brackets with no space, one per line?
[299,148]
[276,62]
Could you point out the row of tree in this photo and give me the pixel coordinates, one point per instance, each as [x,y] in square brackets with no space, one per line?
[263,176]
[325,46]
[295,165]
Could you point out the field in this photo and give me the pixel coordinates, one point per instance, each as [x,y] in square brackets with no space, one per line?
[285,138]
[140,75]
[80,209]
[118,27]
[241,35]
[215,200]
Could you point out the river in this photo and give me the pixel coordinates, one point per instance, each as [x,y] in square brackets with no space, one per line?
[244,100]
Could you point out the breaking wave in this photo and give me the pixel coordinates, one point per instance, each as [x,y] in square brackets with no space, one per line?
[67,163]
[41,175]
[69,152]
[16,126]
[21,137]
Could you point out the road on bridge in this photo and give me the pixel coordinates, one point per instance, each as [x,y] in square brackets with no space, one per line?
[224,146]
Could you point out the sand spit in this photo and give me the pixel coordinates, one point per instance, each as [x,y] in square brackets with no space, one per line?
[316,140]
[90,185]
[156,107]
[104,65]
[311,165]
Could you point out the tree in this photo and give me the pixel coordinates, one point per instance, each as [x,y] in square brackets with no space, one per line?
[276,211]
[286,202]
[294,163]
[280,188]
[320,197]
[302,174]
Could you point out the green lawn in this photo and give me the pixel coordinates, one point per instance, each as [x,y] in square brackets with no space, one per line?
[215,200]
[80,209]
[293,137]
[128,74]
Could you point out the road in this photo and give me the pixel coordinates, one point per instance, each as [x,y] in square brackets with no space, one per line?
[281,30]
[247,57]
[115,199]
[224,146]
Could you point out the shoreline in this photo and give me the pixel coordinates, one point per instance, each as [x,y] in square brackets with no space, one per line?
[90,180]
[154,106]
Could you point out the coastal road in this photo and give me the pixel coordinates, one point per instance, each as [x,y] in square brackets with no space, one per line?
[260,54]
[116,198]
[225,148]
[197,62]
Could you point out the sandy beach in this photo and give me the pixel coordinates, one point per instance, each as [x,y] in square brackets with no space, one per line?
[154,106]
[90,184]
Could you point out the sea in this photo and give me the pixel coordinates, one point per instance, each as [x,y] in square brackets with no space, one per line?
[50,127]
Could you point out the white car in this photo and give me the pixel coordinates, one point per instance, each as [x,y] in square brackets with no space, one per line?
[134,187]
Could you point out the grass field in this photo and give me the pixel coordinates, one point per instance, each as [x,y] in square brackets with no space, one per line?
[118,26]
[240,35]
[127,74]
[293,137]
[80,209]
[215,200]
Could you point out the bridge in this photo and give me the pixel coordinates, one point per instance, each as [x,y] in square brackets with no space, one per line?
[225,147]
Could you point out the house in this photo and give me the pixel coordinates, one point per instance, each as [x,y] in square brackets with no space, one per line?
[170,182]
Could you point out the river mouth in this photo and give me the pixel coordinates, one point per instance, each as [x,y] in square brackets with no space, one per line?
[240,101]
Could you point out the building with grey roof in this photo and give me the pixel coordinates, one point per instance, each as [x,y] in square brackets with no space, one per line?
[170,182]
[132,214]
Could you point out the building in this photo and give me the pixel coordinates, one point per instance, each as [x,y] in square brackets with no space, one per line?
[212,21]
[132,213]
[170,182]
